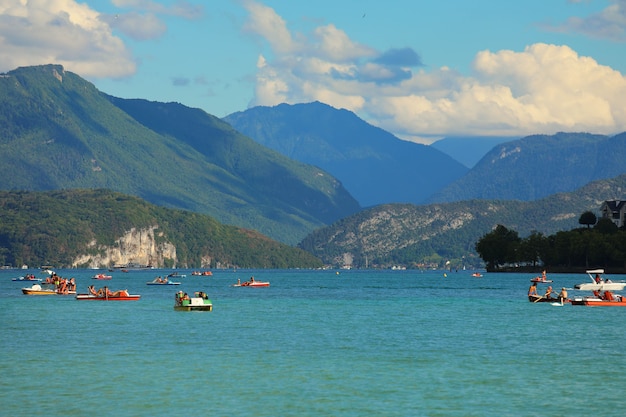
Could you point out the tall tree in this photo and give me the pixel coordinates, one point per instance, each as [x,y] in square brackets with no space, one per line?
[587,218]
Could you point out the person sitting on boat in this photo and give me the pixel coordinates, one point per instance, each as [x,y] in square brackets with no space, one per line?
[544,277]
[548,293]
[63,286]
[533,289]
[596,294]
[608,296]
[608,281]
[598,279]
[92,290]
[563,294]
[178,297]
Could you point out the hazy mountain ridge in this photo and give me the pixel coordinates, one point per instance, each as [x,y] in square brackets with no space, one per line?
[58,131]
[538,166]
[375,166]
[403,234]
[468,150]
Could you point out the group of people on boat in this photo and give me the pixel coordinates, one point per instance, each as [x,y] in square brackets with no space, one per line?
[61,285]
[607,296]
[549,294]
[160,280]
[245,283]
[105,292]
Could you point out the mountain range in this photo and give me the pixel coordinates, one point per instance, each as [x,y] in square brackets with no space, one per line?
[537,166]
[374,165]
[57,131]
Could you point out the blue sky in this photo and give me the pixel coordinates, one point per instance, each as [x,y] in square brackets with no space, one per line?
[419,69]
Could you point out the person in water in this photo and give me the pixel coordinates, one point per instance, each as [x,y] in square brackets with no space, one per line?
[533,289]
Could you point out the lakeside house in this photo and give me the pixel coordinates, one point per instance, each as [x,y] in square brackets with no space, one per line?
[614,210]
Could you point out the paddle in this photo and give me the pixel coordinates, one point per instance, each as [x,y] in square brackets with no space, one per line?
[538,298]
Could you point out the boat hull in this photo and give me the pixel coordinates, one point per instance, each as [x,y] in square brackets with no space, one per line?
[103,277]
[162,283]
[252,284]
[540,299]
[596,302]
[194,304]
[45,289]
[90,297]
[29,291]
[540,279]
[604,286]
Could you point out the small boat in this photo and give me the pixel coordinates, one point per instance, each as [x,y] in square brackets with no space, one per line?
[202,273]
[541,299]
[542,278]
[101,276]
[477,275]
[199,302]
[252,283]
[132,267]
[598,283]
[46,289]
[162,281]
[176,275]
[595,301]
[30,277]
[121,295]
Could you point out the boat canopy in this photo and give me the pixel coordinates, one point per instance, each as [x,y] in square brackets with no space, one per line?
[595,271]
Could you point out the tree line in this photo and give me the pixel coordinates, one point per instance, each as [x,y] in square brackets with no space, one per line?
[599,243]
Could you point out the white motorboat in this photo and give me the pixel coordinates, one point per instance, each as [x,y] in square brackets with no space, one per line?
[598,283]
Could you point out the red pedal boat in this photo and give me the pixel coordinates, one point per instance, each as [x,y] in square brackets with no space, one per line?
[104,294]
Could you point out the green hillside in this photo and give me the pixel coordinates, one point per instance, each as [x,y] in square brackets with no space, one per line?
[409,235]
[57,131]
[57,227]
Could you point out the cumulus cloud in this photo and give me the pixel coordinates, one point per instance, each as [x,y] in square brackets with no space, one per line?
[61,32]
[610,23]
[542,89]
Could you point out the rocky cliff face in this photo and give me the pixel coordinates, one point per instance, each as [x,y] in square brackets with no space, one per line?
[135,247]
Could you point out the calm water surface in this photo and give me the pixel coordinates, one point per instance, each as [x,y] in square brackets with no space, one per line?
[315,343]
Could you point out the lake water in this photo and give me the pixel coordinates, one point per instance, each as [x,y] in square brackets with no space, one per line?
[315,343]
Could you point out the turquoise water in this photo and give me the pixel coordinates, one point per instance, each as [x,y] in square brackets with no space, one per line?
[315,343]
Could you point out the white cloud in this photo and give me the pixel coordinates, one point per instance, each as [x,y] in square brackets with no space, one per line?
[265,22]
[542,89]
[65,32]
